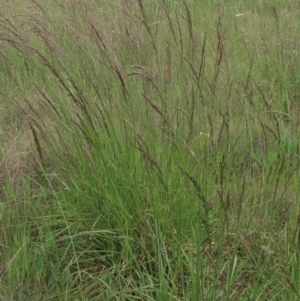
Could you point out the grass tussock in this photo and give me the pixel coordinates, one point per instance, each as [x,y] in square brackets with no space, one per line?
[149,150]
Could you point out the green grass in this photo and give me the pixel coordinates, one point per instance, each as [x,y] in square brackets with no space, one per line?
[149,150]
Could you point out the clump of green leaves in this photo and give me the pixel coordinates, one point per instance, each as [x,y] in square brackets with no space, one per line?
[163,151]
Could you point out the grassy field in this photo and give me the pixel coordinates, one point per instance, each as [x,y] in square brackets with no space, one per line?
[149,150]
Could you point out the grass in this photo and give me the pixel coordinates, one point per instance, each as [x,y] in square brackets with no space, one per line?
[149,150]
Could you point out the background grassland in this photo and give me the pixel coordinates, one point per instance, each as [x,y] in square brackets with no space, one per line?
[149,150]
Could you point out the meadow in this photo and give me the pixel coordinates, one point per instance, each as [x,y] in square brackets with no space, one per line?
[149,150]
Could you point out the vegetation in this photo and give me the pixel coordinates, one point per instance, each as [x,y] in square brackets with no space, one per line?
[149,150]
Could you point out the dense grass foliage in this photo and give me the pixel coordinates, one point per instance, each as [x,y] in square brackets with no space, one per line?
[149,150]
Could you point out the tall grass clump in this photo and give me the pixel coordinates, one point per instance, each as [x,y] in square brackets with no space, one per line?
[149,150]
